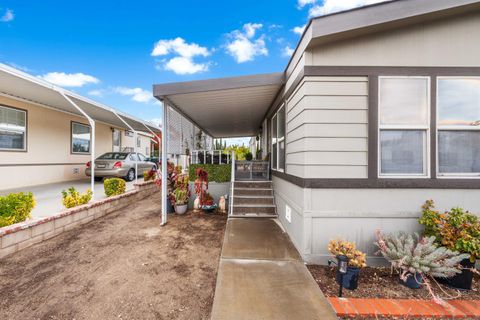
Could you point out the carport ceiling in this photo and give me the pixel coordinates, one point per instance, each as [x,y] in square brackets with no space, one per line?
[227,107]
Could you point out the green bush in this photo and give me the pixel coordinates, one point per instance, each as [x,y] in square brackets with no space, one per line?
[216,172]
[114,186]
[73,198]
[15,207]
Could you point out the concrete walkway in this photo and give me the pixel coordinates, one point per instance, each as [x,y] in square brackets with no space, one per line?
[261,276]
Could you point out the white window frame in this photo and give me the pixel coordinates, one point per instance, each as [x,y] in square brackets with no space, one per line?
[24,149]
[451,128]
[382,127]
[277,141]
[71,138]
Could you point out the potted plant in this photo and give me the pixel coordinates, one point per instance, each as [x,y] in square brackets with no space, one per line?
[356,260]
[458,230]
[181,201]
[206,201]
[416,258]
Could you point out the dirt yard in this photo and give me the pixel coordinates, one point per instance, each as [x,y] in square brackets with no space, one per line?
[122,266]
[380,283]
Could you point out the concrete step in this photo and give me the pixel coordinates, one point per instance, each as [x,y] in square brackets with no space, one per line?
[253,200]
[252,192]
[254,209]
[253,184]
[253,215]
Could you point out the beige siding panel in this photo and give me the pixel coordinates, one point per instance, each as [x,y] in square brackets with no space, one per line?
[328,116]
[328,144]
[336,88]
[328,130]
[447,42]
[336,102]
[296,98]
[328,158]
[328,172]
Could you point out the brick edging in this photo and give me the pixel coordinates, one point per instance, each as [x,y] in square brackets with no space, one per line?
[24,234]
[356,307]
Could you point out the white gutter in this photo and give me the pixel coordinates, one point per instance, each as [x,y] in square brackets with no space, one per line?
[135,135]
[92,139]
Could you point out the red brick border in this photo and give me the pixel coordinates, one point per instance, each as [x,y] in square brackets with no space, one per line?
[394,308]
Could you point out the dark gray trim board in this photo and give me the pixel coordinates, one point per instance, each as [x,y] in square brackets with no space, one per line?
[307,183]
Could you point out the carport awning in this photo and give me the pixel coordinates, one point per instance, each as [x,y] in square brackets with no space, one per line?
[226,107]
[17,84]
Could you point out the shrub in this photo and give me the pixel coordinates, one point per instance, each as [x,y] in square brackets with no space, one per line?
[410,253]
[114,186]
[216,172]
[149,175]
[181,196]
[458,230]
[73,198]
[356,258]
[15,208]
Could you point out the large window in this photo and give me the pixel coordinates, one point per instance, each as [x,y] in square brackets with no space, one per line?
[278,140]
[13,129]
[458,126]
[80,138]
[404,124]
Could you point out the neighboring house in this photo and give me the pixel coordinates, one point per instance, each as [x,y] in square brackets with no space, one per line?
[45,139]
[377,111]
[146,143]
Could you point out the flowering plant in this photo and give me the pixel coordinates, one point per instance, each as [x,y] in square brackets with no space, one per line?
[340,247]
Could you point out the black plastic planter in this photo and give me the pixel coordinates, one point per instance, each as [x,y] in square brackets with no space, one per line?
[413,281]
[462,281]
[350,279]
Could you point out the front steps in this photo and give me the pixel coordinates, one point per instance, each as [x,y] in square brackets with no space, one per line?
[253,199]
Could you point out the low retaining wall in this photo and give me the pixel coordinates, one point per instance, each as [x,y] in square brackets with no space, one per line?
[22,235]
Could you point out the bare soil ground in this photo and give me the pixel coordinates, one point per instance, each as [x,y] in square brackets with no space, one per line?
[380,283]
[122,266]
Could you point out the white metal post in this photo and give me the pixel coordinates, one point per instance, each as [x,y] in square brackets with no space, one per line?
[232,183]
[164,163]
[134,143]
[92,140]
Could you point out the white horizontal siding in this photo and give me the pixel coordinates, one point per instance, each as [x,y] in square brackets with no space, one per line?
[309,158]
[327,128]
[327,172]
[328,144]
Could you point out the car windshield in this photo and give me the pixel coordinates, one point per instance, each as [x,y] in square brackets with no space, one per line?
[113,156]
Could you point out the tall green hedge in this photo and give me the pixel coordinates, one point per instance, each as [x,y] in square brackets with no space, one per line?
[216,172]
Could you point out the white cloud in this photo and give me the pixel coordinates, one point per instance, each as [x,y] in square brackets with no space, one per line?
[299,30]
[7,16]
[331,6]
[137,94]
[184,53]
[303,3]
[183,65]
[287,51]
[97,92]
[244,47]
[157,121]
[69,79]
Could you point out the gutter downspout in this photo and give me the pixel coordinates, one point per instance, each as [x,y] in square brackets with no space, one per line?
[134,143]
[92,152]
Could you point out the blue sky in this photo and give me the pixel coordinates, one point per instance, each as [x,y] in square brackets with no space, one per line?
[113,51]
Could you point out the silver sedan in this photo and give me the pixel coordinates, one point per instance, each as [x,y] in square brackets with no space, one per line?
[121,165]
